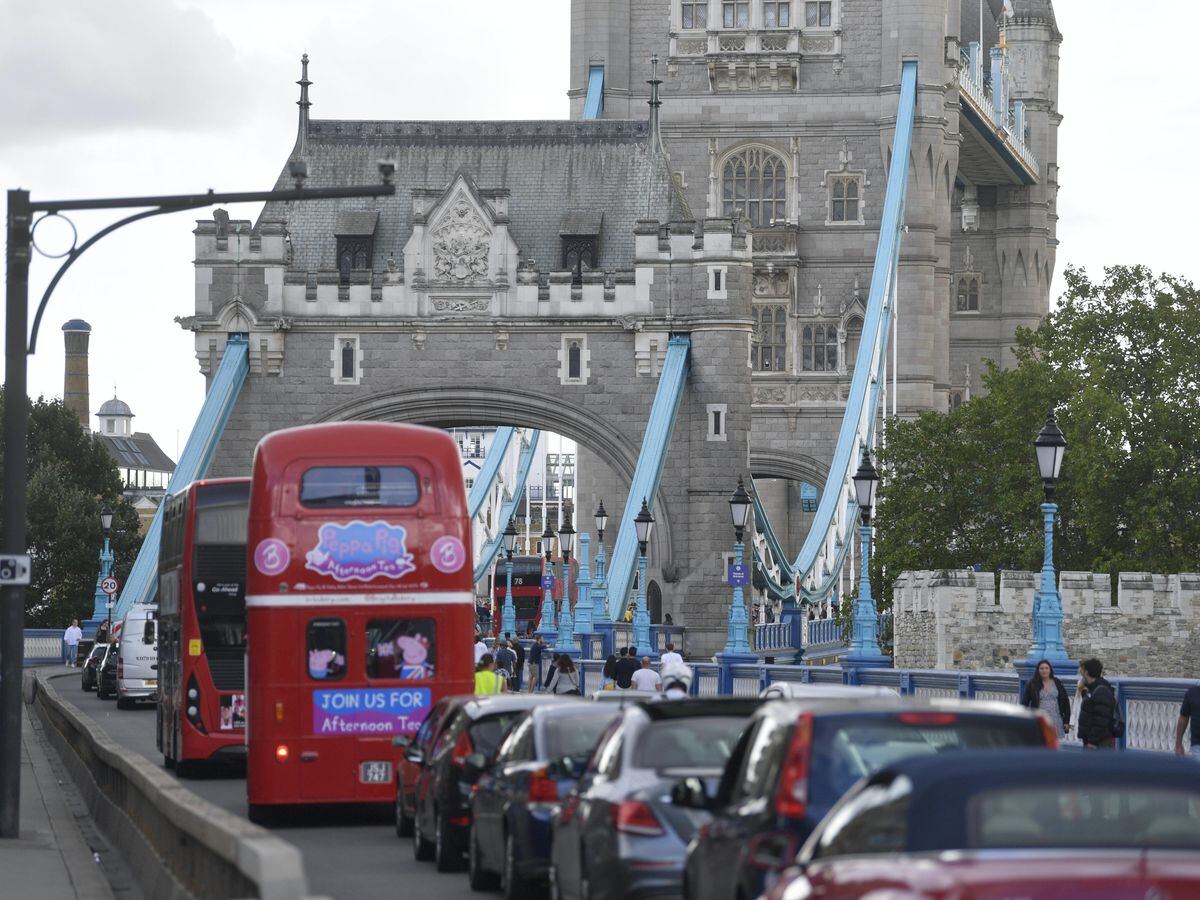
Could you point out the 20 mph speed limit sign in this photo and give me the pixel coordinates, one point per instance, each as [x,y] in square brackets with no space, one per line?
[109,585]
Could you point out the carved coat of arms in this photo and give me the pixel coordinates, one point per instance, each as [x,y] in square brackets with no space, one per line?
[460,245]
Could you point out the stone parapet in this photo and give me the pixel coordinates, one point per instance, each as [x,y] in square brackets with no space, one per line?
[1140,623]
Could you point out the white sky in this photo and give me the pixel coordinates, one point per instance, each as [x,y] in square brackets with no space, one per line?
[131,97]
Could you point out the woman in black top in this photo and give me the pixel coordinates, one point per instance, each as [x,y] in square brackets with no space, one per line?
[1046,692]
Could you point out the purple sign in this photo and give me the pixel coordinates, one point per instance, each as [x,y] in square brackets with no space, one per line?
[360,551]
[271,556]
[370,710]
[448,554]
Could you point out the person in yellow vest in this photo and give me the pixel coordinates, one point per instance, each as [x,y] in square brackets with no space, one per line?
[486,679]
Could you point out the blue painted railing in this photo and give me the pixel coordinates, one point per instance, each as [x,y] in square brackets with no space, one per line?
[648,472]
[142,584]
[487,553]
[43,646]
[593,105]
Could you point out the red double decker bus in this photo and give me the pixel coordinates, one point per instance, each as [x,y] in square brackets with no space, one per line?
[359,606]
[202,623]
[527,590]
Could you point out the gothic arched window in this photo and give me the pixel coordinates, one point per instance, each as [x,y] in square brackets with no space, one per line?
[818,348]
[854,329]
[770,353]
[348,359]
[844,199]
[968,294]
[754,185]
[573,360]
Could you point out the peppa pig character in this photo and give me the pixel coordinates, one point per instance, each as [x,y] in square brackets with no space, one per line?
[415,649]
[323,663]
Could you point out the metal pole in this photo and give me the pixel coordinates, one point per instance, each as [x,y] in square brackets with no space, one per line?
[739,620]
[508,616]
[641,618]
[16,420]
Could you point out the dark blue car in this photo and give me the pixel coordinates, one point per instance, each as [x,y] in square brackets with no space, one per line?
[516,796]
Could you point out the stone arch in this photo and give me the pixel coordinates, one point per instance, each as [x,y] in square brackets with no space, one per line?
[464,405]
[796,467]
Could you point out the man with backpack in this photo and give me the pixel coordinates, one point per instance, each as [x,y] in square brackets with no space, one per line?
[506,660]
[520,664]
[1100,722]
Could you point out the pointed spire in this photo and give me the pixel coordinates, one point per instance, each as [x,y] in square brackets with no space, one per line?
[304,104]
[655,103]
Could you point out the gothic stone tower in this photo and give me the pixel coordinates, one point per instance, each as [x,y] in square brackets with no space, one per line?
[782,112]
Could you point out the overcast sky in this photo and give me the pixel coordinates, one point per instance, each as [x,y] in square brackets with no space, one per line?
[128,97]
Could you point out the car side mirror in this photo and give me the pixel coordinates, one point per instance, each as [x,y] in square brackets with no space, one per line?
[402,740]
[561,768]
[473,767]
[691,794]
[415,756]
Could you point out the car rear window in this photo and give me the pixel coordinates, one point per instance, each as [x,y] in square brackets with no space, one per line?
[487,733]
[847,748]
[575,736]
[703,742]
[1098,816]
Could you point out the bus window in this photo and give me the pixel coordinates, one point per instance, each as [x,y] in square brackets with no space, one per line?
[326,649]
[401,648]
[330,487]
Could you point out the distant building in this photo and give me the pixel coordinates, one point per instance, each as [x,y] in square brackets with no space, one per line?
[145,469]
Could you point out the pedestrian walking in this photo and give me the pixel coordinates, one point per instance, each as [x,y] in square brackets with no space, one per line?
[677,681]
[102,632]
[608,677]
[564,679]
[550,671]
[630,611]
[480,647]
[1189,711]
[71,638]
[645,678]
[519,669]
[667,620]
[624,669]
[1100,722]
[1046,692]
[670,656]
[487,681]
[536,649]
[506,661]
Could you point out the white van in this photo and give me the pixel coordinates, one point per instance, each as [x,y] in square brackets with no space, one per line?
[137,660]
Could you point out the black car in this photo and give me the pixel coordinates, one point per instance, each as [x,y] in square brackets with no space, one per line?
[91,666]
[441,807]
[797,758]
[106,682]
[514,801]
[408,771]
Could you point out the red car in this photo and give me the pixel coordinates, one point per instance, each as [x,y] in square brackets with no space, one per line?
[1016,823]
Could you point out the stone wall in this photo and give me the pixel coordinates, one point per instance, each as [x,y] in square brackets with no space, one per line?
[960,620]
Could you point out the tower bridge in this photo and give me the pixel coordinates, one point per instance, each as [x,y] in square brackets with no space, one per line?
[758,223]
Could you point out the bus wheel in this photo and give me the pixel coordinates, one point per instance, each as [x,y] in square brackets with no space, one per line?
[422,849]
[185,768]
[168,762]
[259,813]
[447,857]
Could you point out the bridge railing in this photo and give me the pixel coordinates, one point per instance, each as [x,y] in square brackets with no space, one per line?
[43,645]
[814,633]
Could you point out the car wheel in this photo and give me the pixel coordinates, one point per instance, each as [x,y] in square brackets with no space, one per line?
[477,876]
[585,887]
[552,883]
[446,855]
[512,884]
[404,824]
[422,849]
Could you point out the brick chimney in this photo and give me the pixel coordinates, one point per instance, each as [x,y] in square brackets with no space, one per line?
[77,333]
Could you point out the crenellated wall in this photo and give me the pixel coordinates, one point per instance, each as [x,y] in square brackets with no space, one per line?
[960,620]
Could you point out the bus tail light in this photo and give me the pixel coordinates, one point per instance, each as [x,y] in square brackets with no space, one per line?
[792,799]
[281,753]
[462,749]
[278,711]
[635,817]
[542,788]
[193,705]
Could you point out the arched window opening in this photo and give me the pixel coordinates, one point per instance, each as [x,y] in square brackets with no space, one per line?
[819,348]
[968,294]
[348,359]
[854,329]
[345,264]
[573,360]
[754,186]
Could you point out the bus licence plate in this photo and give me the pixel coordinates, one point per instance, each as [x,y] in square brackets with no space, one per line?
[375,772]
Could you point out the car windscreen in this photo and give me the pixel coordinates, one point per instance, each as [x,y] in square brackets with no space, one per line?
[487,733]
[702,742]
[847,748]
[576,735]
[1100,815]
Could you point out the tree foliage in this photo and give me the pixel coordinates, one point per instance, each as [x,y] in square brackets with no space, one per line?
[70,477]
[1118,362]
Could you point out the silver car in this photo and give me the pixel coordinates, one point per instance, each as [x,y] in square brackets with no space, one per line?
[798,690]
[617,835]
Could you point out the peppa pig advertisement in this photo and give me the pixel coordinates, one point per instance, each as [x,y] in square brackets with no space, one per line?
[360,551]
[370,710]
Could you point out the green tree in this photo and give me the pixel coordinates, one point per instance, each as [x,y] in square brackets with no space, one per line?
[1118,362]
[70,477]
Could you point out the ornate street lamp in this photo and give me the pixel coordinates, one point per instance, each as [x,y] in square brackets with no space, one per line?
[566,622]
[599,582]
[644,525]
[736,641]
[546,626]
[864,641]
[1050,446]
[101,602]
[508,617]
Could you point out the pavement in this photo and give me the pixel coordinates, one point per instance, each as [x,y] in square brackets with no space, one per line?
[59,855]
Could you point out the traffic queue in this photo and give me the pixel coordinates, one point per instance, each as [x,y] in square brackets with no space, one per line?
[317,620]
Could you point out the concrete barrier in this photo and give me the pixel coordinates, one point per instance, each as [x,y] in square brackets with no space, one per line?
[177,844]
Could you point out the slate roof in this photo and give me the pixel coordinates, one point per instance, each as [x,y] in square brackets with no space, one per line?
[137,451]
[549,167]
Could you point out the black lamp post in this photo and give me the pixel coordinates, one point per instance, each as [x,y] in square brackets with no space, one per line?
[864,640]
[546,626]
[599,582]
[1050,446]
[508,616]
[566,621]
[736,640]
[644,525]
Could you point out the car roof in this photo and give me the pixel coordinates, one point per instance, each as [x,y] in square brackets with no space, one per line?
[550,712]
[700,706]
[1013,767]
[498,703]
[790,707]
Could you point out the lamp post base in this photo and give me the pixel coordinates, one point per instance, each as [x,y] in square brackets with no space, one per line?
[607,640]
[727,661]
[853,663]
